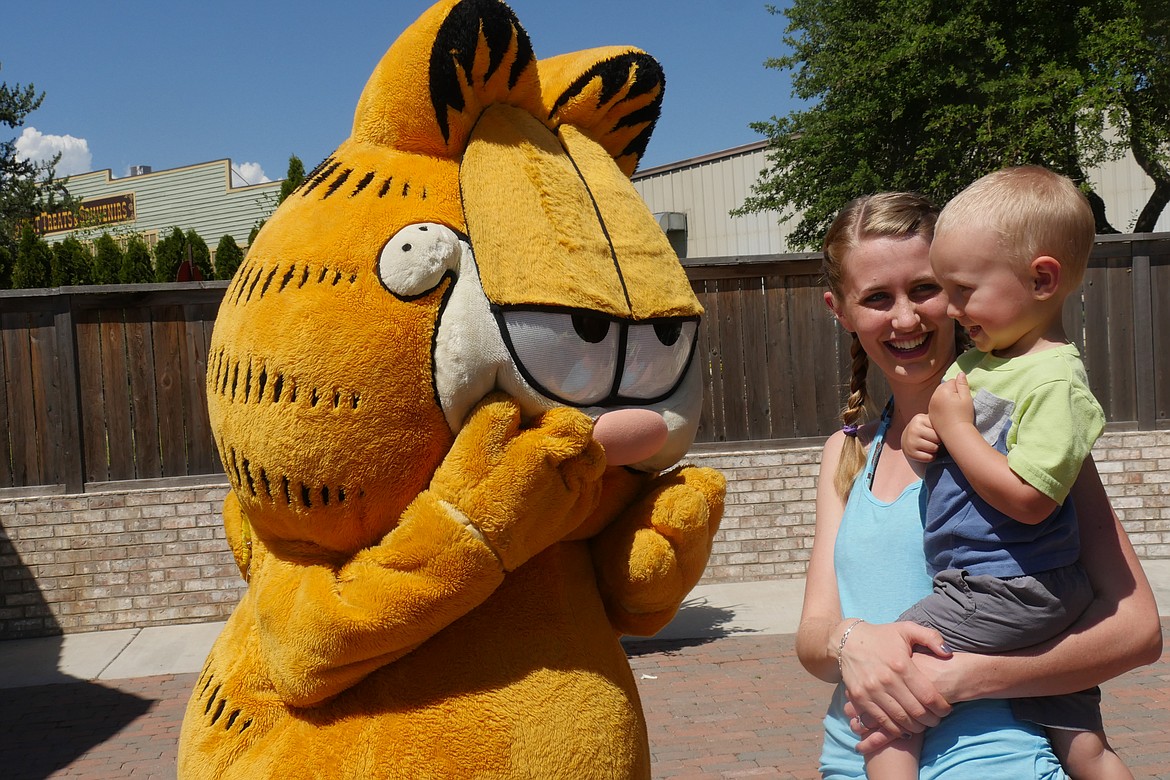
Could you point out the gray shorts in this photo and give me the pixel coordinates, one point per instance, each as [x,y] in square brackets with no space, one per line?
[984,614]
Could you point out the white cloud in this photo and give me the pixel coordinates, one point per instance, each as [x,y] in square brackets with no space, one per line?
[75,157]
[246,173]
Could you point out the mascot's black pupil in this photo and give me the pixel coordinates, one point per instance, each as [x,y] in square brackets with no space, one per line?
[591,329]
[668,332]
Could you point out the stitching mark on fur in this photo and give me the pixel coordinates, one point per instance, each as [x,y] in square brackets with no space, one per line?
[224,381]
[323,172]
[213,699]
[248,279]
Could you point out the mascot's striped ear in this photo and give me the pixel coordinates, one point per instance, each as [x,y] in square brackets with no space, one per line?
[475,54]
[613,94]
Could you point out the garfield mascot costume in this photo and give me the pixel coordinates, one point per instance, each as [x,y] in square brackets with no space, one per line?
[450,387]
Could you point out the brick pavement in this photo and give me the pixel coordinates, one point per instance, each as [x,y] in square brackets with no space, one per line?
[735,706]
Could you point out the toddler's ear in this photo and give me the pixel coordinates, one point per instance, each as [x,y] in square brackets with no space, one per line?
[1045,277]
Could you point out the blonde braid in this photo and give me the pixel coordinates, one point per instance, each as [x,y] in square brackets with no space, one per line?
[852,458]
[886,214]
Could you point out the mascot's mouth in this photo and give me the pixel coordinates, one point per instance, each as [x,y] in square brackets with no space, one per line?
[585,359]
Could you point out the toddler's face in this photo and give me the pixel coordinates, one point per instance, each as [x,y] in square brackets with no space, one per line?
[987,292]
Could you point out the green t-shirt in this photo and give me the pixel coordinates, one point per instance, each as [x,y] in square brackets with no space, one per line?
[1038,410]
[1044,398]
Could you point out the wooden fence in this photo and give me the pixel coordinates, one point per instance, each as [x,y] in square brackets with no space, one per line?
[104,385]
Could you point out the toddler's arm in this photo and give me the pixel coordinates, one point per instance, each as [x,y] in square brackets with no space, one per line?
[952,413]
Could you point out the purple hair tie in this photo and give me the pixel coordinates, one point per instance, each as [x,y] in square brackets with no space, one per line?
[850,430]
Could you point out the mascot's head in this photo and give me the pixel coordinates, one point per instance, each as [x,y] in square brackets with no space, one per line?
[476,232]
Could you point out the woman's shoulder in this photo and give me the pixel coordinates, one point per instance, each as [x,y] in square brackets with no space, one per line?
[831,452]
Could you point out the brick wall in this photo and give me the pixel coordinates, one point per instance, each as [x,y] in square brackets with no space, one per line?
[138,558]
[114,560]
[768,523]
[769,515]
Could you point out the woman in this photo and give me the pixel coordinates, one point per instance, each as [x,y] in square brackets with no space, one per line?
[867,562]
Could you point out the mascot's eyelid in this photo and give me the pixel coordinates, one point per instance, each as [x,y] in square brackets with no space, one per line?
[562,354]
[417,257]
[656,357]
[568,356]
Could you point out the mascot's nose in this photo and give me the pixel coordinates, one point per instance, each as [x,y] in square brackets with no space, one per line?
[630,435]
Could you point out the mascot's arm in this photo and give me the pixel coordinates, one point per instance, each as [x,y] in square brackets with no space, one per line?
[323,628]
[655,552]
[501,495]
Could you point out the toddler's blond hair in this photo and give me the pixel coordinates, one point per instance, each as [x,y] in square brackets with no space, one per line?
[1034,211]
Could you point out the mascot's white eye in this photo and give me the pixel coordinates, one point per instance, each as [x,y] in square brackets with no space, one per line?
[656,356]
[586,359]
[415,259]
[572,357]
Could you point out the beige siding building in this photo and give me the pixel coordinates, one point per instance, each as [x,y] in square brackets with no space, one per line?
[692,200]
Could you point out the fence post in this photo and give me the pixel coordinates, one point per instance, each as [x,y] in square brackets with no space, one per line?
[1143,336]
[72,457]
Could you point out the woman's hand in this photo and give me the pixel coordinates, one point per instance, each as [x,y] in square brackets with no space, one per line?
[886,689]
[945,673]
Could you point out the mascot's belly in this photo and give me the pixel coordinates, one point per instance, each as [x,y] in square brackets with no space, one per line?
[537,670]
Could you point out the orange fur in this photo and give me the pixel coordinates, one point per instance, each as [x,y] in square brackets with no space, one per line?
[433,593]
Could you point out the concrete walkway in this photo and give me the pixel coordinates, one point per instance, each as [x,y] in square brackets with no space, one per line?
[723,693]
[765,607]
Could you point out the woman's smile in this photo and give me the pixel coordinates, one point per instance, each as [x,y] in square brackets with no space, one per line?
[910,348]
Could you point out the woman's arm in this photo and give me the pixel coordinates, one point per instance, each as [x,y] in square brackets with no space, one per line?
[875,661]
[1119,631]
[820,616]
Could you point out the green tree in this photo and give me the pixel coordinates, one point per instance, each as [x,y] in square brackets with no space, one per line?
[26,187]
[34,260]
[72,263]
[168,254]
[228,257]
[1130,53]
[293,179]
[255,231]
[198,253]
[107,260]
[929,96]
[136,265]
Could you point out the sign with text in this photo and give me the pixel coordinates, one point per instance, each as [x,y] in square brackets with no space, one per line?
[93,213]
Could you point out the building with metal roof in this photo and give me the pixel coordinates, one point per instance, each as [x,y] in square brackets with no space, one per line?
[692,200]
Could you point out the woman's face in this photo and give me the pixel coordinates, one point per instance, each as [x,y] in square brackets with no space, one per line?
[892,301]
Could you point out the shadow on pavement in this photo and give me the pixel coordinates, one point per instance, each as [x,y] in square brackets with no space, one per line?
[48,727]
[696,623]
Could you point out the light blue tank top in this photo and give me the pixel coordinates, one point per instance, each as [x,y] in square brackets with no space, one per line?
[881,570]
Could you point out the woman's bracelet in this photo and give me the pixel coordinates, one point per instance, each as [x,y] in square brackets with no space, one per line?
[844,639]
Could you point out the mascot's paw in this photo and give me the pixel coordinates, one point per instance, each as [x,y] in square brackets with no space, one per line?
[656,552]
[523,488]
[239,533]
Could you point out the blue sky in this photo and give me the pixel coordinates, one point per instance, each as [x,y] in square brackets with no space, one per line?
[170,84]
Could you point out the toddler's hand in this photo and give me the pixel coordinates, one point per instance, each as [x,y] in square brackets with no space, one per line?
[951,406]
[920,442]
